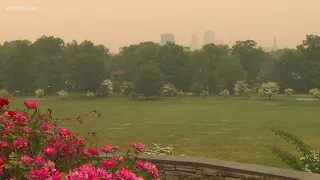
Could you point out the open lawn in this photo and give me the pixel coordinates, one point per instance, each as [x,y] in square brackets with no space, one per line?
[233,129]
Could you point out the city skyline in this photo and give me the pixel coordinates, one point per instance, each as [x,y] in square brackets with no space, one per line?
[121,23]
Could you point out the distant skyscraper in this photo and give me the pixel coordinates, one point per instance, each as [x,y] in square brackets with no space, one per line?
[208,37]
[167,37]
[275,46]
[194,42]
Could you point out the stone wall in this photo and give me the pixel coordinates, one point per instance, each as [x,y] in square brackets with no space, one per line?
[186,168]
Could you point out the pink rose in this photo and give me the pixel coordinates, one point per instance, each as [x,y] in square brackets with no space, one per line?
[125,174]
[93,151]
[30,104]
[49,151]
[40,161]
[64,132]
[138,146]
[46,126]
[3,144]
[119,159]
[50,166]
[2,160]
[1,171]
[27,160]
[20,144]
[39,174]
[108,164]
[107,149]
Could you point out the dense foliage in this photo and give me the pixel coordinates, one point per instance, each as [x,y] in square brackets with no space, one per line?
[269,89]
[51,64]
[34,147]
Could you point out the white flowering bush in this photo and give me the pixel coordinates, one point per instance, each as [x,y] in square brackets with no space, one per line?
[204,93]
[315,92]
[169,90]
[241,88]
[247,93]
[39,93]
[288,91]
[127,87]
[180,94]
[269,89]
[89,94]
[157,150]
[63,94]
[106,88]
[225,93]
[311,161]
[4,93]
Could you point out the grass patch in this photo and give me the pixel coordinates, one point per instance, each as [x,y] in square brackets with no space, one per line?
[234,129]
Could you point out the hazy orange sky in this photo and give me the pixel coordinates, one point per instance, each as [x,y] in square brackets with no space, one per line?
[117,23]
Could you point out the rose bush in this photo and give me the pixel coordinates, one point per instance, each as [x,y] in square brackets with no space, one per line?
[33,146]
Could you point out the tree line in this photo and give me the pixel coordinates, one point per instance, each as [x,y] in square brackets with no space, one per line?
[52,64]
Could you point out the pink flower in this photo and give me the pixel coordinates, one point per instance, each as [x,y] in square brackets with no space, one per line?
[151,168]
[64,132]
[40,161]
[20,144]
[107,149]
[93,151]
[27,132]
[1,171]
[49,151]
[86,154]
[46,126]
[30,104]
[125,174]
[141,165]
[119,159]
[50,166]
[27,160]
[38,174]
[108,164]
[3,144]
[103,174]
[138,146]
[86,171]
[2,160]
[56,175]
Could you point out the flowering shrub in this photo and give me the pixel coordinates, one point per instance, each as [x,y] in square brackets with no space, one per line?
[160,150]
[4,93]
[180,94]
[204,93]
[63,94]
[89,94]
[127,88]
[315,92]
[106,88]
[241,88]
[33,147]
[269,89]
[247,93]
[288,91]
[169,90]
[39,93]
[225,93]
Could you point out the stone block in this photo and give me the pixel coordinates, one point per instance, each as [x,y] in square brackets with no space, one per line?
[186,169]
[168,165]
[231,178]
[211,172]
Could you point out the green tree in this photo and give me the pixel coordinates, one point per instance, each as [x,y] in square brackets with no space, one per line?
[148,80]
[87,71]
[173,61]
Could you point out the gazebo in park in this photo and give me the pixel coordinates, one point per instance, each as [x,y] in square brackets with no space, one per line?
[117,79]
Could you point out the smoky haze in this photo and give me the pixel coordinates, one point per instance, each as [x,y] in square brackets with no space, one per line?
[117,23]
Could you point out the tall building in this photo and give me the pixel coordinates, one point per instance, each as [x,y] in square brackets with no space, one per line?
[274,46]
[208,37]
[167,37]
[194,42]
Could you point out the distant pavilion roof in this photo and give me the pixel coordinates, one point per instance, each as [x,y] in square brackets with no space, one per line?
[118,72]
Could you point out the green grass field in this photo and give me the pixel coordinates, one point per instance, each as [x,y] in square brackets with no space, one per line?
[233,129]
